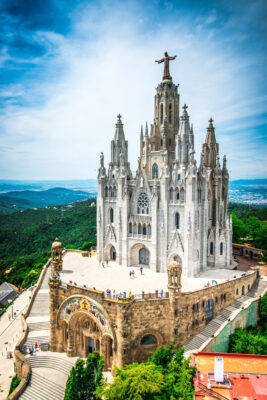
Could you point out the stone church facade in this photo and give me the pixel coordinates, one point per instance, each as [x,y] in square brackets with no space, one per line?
[172,209]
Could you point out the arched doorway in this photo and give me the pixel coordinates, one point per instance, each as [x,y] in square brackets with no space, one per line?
[84,328]
[144,256]
[85,334]
[112,253]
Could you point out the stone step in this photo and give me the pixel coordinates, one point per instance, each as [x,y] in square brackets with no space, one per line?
[50,362]
[38,326]
[41,388]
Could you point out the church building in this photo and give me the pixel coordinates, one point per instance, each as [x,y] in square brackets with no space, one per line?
[173,209]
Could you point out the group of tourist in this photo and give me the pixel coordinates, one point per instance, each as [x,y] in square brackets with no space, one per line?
[112,294]
[33,348]
[208,284]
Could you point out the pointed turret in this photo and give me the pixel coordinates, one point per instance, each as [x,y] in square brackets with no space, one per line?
[210,147]
[185,141]
[146,132]
[119,144]
[119,133]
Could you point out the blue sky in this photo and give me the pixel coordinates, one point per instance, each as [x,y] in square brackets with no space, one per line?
[69,67]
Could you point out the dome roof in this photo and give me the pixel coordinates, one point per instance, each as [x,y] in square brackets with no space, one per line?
[56,244]
[174,264]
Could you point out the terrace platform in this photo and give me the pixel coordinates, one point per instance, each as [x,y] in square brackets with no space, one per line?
[87,271]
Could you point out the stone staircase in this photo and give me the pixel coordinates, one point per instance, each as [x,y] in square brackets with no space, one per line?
[40,388]
[49,371]
[52,362]
[38,319]
[212,327]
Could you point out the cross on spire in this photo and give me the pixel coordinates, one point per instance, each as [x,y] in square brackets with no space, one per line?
[185,107]
[210,121]
[119,117]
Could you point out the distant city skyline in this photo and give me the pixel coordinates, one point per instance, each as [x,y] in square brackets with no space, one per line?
[68,69]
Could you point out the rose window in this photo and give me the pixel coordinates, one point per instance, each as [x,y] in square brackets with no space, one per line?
[143,204]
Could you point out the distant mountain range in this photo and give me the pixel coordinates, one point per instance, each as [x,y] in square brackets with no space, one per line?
[23,199]
[18,195]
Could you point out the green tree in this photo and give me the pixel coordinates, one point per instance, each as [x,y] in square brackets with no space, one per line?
[75,380]
[239,229]
[135,382]
[84,378]
[166,376]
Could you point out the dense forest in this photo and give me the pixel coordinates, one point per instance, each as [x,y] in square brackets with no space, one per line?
[249,225]
[26,236]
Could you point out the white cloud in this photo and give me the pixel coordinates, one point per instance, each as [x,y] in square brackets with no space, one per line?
[108,67]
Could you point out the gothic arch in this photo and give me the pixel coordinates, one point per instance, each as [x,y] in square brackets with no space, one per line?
[175,257]
[107,252]
[135,253]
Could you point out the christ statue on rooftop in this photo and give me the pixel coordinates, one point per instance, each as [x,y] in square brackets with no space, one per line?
[166,60]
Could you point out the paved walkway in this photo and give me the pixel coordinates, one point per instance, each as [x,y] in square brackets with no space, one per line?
[10,331]
[88,271]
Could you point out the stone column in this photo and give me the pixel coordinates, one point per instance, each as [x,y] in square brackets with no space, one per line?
[70,347]
[53,309]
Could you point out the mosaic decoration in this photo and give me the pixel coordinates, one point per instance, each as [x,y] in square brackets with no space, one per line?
[76,304]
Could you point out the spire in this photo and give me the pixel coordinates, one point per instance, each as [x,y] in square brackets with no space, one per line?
[185,138]
[119,133]
[210,137]
[224,162]
[146,132]
[210,147]
[184,123]
[141,141]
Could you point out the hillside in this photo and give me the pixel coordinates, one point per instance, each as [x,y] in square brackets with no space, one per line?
[24,199]
[26,237]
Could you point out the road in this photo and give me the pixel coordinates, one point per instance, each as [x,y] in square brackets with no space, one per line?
[10,331]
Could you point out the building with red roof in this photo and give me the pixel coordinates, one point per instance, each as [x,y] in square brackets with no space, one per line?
[243,376]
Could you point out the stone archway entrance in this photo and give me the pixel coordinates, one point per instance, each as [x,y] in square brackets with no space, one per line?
[85,328]
[143,256]
[85,334]
[139,255]
[112,253]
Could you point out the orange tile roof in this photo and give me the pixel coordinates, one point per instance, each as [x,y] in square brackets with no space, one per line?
[247,375]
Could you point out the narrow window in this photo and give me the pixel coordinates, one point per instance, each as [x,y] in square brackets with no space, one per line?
[221,249]
[170,114]
[211,248]
[177,220]
[111,215]
[179,177]
[155,171]
[161,142]
[170,142]
[130,228]
[161,113]
[144,229]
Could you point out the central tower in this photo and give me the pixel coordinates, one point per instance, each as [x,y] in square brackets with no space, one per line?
[159,143]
